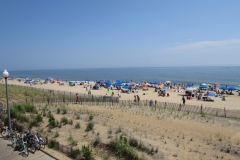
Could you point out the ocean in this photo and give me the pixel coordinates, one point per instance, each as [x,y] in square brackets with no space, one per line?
[224,75]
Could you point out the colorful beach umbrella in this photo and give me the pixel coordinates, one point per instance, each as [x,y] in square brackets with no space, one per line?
[216,84]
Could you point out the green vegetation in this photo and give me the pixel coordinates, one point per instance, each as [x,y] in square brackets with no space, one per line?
[90,126]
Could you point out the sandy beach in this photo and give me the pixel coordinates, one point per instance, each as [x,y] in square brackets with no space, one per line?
[232,101]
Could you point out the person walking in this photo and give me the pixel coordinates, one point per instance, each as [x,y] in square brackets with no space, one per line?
[183,99]
[77,98]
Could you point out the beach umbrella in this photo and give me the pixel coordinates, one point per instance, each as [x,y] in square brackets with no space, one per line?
[189,85]
[223,88]
[168,82]
[210,94]
[216,84]
[164,88]
[48,79]
[232,88]
[190,89]
[203,86]
[118,84]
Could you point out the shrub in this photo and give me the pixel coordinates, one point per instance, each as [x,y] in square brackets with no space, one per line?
[90,126]
[133,142]
[52,123]
[77,125]
[38,118]
[51,144]
[64,120]
[97,141]
[58,110]
[90,117]
[87,152]
[71,141]
[75,153]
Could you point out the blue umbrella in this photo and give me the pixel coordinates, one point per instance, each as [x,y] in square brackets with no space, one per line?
[118,84]
[211,94]
[232,88]
[203,87]
[164,88]
[47,79]
[223,88]
[189,85]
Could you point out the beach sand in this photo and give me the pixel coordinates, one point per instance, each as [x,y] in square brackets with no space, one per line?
[232,101]
[169,134]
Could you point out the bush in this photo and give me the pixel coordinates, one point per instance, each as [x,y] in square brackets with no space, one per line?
[75,153]
[87,152]
[97,141]
[90,126]
[51,144]
[77,125]
[38,118]
[71,141]
[52,123]
[64,120]
[58,110]
[133,142]
[90,118]
[119,130]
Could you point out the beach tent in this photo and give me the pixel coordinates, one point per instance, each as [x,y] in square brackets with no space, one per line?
[232,88]
[210,94]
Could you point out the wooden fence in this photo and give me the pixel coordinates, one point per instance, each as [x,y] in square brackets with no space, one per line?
[56,96]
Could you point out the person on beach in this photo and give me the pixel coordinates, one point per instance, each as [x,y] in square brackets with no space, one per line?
[77,98]
[138,98]
[183,99]
[135,98]
[119,94]
[112,94]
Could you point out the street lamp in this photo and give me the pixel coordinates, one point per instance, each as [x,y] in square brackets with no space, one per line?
[5,75]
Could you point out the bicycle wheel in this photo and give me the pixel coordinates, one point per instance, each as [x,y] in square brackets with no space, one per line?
[4,133]
[13,142]
[32,148]
[41,143]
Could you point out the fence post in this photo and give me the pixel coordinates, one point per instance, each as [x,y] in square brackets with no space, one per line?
[165,105]
[155,105]
[179,109]
[225,114]
[201,109]
[46,140]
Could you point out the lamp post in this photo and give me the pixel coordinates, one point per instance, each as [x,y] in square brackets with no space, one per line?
[5,75]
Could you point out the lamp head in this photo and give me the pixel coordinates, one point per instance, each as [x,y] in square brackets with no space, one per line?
[5,74]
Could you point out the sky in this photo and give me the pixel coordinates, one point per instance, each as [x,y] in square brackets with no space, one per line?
[72,34]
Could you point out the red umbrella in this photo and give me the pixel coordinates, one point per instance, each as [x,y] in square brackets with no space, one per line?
[216,84]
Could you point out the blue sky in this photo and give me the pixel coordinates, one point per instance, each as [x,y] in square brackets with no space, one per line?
[61,34]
